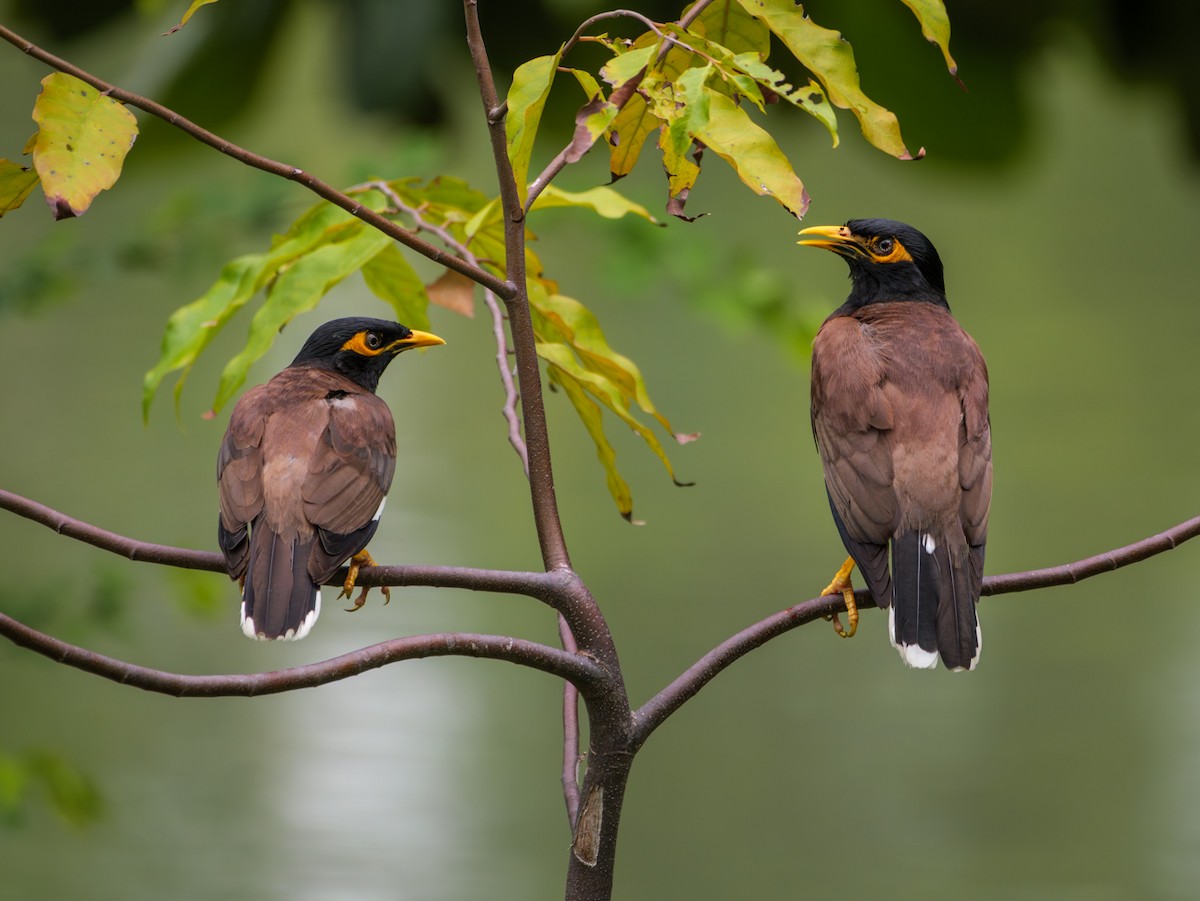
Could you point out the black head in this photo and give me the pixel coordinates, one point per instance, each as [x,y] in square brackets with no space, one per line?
[360,348]
[888,260]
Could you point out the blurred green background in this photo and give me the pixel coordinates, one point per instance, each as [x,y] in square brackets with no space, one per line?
[1062,194]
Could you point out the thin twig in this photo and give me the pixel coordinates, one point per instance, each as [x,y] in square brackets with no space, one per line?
[321,189]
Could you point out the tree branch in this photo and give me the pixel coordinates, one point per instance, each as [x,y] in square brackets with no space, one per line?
[537,440]
[655,711]
[576,669]
[321,189]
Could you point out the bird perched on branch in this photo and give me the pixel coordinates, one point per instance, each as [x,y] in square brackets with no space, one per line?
[900,417]
[303,473]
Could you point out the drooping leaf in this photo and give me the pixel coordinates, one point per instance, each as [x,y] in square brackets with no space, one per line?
[298,289]
[82,140]
[935,25]
[192,327]
[567,320]
[196,4]
[753,153]
[682,173]
[579,356]
[392,278]
[592,418]
[606,392]
[16,183]
[526,100]
[691,109]
[603,200]
[831,60]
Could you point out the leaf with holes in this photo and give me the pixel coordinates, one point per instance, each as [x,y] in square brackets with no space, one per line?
[82,140]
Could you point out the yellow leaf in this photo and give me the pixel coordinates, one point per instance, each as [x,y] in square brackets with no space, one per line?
[81,142]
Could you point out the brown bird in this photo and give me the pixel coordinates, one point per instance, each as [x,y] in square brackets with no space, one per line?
[303,473]
[900,417]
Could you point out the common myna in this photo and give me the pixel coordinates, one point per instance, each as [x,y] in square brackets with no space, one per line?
[304,470]
[900,417]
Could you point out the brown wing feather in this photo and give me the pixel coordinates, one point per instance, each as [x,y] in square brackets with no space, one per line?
[351,470]
[852,417]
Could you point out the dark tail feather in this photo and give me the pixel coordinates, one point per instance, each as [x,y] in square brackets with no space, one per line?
[280,600]
[934,608]
[912,619]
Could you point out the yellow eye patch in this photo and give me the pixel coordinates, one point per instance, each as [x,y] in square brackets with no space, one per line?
[362,343]
[895,254]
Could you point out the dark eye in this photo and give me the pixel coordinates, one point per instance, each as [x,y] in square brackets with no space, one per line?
[373,341]
[885,246]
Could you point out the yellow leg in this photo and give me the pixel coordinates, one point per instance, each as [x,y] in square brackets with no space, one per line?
[362,558]
[841,585]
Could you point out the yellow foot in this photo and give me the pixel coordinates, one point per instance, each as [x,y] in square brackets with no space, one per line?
[841,585]
[362,558]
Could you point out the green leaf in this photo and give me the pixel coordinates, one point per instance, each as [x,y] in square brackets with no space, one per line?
[831,60]
[935,26]
[83,138]
[626,65]
[580,359]
[725,22]
[298,289]
[604,201]
[16,183]
[192,327]
[592,418]
[753,153]
[566,320]
[526,100]
[691,110]
[392,278]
